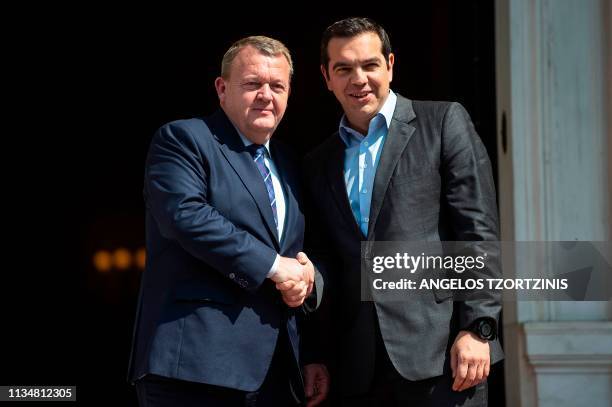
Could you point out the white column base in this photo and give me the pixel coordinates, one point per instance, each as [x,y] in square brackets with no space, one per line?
[572,362]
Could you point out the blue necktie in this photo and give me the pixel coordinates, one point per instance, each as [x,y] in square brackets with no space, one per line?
[258,152]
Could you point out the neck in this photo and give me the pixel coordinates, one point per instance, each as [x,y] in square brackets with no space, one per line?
[360,126]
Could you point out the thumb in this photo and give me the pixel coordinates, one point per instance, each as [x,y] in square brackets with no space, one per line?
[302,258]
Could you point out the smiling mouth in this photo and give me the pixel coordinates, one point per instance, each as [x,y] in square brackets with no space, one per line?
[359,95]
[263,110]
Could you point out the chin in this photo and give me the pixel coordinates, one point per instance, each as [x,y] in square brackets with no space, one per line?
[263,127]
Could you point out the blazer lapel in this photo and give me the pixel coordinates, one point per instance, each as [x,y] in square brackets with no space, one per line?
[398,137]
[288,183]
[241,161]
[335,167]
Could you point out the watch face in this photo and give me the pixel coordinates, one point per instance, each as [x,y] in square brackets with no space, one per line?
[485,329]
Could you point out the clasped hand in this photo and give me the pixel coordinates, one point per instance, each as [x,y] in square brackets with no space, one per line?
[294,278]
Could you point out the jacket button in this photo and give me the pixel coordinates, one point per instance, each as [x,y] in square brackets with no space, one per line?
[232,275]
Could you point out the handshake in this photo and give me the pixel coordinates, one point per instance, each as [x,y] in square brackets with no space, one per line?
[294,278]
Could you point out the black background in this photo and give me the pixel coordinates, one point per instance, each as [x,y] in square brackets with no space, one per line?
[88,87]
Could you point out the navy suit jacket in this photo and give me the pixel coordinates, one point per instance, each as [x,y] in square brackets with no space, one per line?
[206,311]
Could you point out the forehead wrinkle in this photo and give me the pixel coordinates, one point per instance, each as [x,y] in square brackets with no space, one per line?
[265,68]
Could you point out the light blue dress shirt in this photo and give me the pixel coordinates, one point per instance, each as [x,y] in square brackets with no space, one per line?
[361,157]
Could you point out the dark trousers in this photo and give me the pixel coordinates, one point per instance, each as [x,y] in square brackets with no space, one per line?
[390,389]
[281,387]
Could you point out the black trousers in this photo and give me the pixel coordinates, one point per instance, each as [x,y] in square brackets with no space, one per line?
[282,387]
[390,389]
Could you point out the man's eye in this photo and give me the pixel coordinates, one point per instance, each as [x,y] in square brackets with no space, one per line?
[342,70]
[278,87]
[252,85]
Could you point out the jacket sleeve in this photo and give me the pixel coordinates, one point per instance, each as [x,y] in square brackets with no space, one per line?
[176,193]
[469,192]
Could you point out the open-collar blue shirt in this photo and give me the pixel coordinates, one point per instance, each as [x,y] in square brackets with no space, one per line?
[361,157]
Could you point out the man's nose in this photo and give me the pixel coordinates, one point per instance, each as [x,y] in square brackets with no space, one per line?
[359,77]
[265,93]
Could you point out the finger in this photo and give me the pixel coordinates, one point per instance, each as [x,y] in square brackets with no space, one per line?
[294,292]
[310,288]
[479,373]
[323,384]
[300,296]
[295,301]
[302,258]
[462,370]
[487,368]
[318,396]
[308,383]
[290,293]
[471,375]
[293,304]
[304,292]
[295,289]
[285,285]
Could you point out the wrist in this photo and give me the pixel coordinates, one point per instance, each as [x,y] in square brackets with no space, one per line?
[274,269]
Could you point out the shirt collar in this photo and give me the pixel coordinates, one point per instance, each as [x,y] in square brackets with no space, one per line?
[248,142]
[386,112]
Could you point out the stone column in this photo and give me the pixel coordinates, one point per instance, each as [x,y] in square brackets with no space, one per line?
[554,98]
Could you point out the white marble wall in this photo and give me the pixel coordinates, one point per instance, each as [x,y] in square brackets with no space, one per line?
[554,89]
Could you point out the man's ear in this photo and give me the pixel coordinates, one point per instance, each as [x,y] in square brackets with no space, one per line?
[220,86]
[324,73]
[390,66]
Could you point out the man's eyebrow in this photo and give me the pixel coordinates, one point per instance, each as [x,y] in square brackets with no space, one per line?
[341,64]
[370,60]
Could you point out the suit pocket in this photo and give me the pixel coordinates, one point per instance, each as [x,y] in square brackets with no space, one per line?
[199,292]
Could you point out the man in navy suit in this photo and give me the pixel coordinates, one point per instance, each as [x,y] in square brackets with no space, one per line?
[225,278]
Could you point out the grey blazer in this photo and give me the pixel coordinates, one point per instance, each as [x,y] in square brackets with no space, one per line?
[433,183]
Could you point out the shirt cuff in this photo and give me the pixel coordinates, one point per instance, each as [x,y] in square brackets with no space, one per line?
[274,267]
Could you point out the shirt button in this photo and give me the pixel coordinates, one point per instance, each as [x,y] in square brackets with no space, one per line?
[365,191]
[366,220]
[232,275]
[366,143]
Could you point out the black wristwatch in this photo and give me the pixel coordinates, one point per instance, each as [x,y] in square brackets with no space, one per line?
[484,328]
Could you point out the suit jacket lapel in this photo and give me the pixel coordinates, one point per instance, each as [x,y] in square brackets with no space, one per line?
[288,183]
[241,161]
[335,172]
[398,137]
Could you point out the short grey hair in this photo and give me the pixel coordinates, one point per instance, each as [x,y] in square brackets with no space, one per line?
[266,45]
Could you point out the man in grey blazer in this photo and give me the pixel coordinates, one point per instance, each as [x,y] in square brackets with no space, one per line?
[399,170]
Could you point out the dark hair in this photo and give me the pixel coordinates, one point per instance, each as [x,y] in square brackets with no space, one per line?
[352,27]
